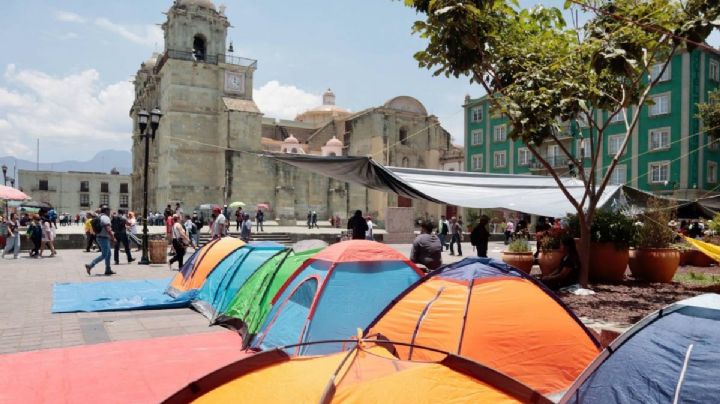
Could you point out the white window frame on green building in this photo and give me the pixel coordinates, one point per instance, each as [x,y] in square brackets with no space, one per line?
[496,156]
[477,136]
[614,143]
[619,117]
[523,156]
[654,146]
[476,114]
[477,162]
[655,72]
[656,109]
[619,175]
[714,70]
[660,178]
[500,133]
[712,167]
[583,144]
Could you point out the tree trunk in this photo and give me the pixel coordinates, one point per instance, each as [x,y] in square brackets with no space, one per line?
[584,251]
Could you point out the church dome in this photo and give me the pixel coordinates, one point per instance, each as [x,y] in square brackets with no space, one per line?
[325,112]
[291,139]
[334,142]
[200,3]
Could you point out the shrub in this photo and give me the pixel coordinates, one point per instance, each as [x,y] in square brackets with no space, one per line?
[519,245]
[652,229]
[607,226]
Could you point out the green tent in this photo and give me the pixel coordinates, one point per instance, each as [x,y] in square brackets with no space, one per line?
[252,302]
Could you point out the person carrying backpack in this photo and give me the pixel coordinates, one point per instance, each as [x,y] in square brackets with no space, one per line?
[118,223]
[104,236]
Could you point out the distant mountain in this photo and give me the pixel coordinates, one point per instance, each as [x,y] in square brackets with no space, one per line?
[104,161]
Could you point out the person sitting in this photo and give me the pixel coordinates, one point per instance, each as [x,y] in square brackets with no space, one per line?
[568,271]
[427,249]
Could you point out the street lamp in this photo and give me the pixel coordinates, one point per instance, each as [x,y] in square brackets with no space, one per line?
[4,169]
[154,118]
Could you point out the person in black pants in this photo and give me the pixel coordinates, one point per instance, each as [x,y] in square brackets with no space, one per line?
[480,236]
[118,225]
[456,236]
[179,241]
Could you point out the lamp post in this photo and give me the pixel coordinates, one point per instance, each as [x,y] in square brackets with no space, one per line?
[4,170]
[154,118]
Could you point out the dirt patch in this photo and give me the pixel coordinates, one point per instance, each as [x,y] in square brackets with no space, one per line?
[629,301]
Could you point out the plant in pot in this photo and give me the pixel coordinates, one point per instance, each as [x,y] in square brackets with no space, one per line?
[654,258]
[519,255]
[550,255]
[611,234]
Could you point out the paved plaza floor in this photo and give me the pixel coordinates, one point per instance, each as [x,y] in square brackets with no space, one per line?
[26,322]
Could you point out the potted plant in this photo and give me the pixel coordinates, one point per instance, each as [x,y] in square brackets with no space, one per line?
[611,234]
[654,258]
[519,255]
[550,255]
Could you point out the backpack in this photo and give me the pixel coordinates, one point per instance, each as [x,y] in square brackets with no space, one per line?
[97,225]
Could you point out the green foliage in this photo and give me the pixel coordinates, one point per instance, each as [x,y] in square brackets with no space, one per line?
[552,239]
[607,226]
[519,245]
[652,230]
[709,113]
[715,224]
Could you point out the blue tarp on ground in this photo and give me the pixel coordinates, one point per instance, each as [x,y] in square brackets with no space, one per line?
[145,294]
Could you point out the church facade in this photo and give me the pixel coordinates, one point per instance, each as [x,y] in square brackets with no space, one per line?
[208,146]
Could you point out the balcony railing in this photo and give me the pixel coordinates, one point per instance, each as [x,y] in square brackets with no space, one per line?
[210,59]
[554,161]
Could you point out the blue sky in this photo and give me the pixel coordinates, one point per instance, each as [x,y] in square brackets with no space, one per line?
[66,66]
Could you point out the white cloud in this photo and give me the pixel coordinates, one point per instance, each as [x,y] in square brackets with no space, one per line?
[146,35]
[68,35]
[277,100]
[68,16]
[72,112]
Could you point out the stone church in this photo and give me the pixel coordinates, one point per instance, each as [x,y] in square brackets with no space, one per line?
[208,146]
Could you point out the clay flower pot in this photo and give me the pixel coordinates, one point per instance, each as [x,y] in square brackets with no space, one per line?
[607,263]
[655,264]
[521,260]
[549,261]
[699,259]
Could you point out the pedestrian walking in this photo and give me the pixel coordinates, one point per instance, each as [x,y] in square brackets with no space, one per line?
[456,236]
[480,236]
[443,231]
[48,238]
[132,230]
[12,243]
[191,231]
[198,222]
[104,236]
[34,231]
[309,219]
[52,216]
[313,220]
[219,224]
[179,241]
[89,233]
[509,230]
[118,224]
[259,219]
[238,218]
[246,231]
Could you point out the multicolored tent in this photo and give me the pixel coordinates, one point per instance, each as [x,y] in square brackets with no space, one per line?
[368,373]
[251,304]
[193,276]
[230,274]
[670,356]
[337,291]
[490,312]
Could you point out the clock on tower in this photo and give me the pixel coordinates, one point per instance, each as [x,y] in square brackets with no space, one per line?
[234,82]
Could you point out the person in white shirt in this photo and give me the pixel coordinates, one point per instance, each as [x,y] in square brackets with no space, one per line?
[219,226]
[369,232]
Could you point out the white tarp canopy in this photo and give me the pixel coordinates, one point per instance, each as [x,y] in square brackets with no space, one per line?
[533,194]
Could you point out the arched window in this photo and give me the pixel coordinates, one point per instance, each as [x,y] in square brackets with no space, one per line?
[332,154]
[403,135]
[199,47]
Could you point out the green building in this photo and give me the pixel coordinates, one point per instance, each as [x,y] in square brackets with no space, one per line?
[668,153]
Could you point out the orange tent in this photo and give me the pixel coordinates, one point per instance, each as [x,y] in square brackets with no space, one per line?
[368,373]
[487,311]
[192,275]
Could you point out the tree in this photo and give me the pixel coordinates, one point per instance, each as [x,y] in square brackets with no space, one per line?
[536,69]
[709,113]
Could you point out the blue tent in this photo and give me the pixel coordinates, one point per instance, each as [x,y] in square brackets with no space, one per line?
[671,356]
[230,274]
[333,294]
